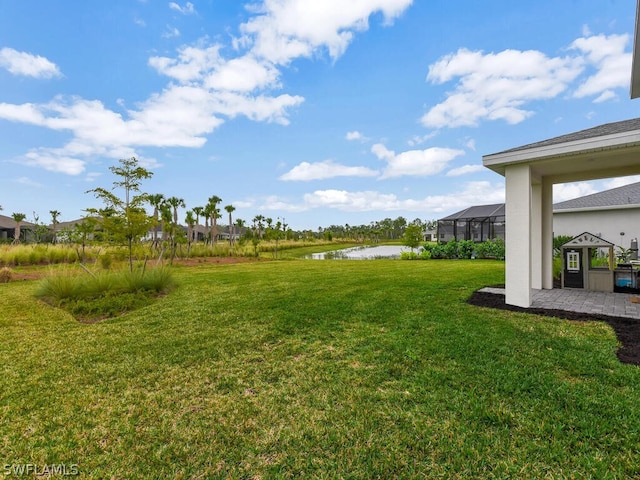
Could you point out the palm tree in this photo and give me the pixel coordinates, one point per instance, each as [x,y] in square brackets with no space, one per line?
[18,218]
[190,220]
[197,211]
[176,202]
[165,218]
[54,221]
[214,201]
[229,209]
[240,223]
[257,221]
[206,213]
[155,200]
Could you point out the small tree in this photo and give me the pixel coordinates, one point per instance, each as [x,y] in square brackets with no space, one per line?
[54,223]
[125,219]
[82,233]
[18,218]
[412,237]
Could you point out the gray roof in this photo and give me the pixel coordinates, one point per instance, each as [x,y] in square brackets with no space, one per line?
[9,223]
[625,195]
[594,132]
[620,196]
[478,212]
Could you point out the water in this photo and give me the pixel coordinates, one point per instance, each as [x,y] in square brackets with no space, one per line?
[361,253]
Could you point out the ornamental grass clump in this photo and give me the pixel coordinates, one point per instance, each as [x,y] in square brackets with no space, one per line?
[90,296]
[6,274]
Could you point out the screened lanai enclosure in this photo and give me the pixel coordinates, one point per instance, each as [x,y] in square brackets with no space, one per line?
[479,223]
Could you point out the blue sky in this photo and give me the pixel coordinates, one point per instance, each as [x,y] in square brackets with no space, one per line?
[319,112]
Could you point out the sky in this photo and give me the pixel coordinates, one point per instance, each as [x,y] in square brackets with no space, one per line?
[317,112]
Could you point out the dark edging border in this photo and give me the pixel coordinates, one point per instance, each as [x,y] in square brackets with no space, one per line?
[627,330]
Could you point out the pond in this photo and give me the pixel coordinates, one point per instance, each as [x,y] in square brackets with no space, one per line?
[361,253]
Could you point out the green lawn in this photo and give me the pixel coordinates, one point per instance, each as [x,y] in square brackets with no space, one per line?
[317,369]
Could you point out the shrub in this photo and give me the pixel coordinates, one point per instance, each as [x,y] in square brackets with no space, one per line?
[450,249]
[6,274]
[409,256]
[466,249]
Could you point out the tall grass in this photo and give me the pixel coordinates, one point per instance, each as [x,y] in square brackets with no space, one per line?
[46,254]
[43,254]
[106,293]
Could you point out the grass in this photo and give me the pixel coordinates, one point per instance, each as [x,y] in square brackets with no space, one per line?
[317,369]
[90,296]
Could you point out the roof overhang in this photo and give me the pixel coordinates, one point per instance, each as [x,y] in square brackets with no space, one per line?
[606,156]
[635,62]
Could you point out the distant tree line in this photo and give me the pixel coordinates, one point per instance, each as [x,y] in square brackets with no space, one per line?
[123,219]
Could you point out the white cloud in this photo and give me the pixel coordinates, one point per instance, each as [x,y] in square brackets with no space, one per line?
[171,32]
[464,170]
[54,163]
[191,65]
[621,181]
[613,65]
[206,87]
[22,63]
[414,162]
[420,139]
[496,86]
[187,9]
[473,193]
[243,74]
[355,135]
[287,29]
[327,169]
[92,176]
[569,191]
[280,205]
[27,182]
[470,143]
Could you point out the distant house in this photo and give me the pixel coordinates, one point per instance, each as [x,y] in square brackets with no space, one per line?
[478,223]
[430,235]
[8,228]
[613,215]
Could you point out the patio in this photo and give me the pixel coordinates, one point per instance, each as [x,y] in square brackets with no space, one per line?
[581,301]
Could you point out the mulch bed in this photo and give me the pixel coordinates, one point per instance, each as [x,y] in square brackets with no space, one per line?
[627,329]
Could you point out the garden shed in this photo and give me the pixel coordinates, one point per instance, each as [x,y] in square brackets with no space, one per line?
[478,223]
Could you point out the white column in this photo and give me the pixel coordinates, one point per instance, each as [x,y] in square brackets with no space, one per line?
[547,234]
[536,235]
[518,235]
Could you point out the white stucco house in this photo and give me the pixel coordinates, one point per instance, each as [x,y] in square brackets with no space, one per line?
[613,215]
[530,171]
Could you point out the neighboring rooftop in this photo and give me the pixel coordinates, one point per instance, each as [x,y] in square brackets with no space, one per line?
[10,223]
[478,211]
[625,195]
